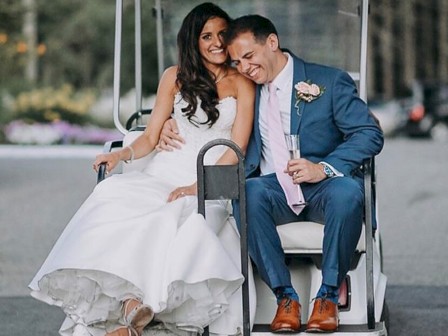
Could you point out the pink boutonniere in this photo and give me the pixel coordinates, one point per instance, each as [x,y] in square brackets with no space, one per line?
[307,92]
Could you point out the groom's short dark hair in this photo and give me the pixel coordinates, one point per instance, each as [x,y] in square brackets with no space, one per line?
[258,25]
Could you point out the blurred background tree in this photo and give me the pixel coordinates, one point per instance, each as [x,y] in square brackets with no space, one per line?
[57,42]
[50,44]
[408,41]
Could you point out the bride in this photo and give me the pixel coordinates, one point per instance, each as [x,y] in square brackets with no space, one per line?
[137,250]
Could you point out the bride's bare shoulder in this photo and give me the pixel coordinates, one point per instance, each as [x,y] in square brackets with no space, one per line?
[169,79]
[170,73]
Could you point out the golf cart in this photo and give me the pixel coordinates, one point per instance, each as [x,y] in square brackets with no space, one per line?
[331,32]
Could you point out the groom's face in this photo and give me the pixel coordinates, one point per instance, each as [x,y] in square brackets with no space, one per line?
[255,60]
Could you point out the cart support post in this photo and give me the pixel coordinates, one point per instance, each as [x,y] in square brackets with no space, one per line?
[138,55]
[363,52]
[370,295]
[159,31]
[117,61]
[117,65]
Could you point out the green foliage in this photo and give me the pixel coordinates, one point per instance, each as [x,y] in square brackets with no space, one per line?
[79,39]
[78,44]
[12,62]
[11,12]
[150,76]
[49,105]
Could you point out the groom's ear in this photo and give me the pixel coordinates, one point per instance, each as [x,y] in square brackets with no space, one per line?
[272,42]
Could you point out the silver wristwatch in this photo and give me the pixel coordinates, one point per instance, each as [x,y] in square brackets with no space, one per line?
[328,171]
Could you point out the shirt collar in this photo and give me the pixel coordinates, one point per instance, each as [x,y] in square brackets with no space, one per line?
[284,78]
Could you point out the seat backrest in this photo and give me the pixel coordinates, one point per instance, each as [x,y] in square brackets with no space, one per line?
[220,182]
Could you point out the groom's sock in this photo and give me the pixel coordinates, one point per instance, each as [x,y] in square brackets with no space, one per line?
[287,291]
[328,292]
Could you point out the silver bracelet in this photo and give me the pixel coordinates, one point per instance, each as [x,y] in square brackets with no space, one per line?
[132,155]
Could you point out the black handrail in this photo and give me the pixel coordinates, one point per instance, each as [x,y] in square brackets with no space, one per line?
[136,116]
[215,182]
[107,148]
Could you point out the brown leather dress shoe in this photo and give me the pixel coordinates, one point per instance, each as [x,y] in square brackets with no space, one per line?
[287,318]
[324,317]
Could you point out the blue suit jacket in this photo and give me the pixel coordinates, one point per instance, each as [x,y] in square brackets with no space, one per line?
[336,128]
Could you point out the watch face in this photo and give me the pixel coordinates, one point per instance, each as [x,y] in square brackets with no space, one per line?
[328,171]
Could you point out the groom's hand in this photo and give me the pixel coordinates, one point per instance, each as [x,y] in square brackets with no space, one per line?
[303,170]
[169,137]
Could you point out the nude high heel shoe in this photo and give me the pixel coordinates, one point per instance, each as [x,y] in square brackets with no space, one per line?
[137,317]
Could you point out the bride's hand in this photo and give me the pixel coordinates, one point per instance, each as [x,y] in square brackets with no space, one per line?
[190,190]
[110,159]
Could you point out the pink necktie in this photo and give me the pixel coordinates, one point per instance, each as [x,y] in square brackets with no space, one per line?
[280,153]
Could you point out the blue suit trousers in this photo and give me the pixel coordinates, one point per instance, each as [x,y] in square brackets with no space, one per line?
[337,203]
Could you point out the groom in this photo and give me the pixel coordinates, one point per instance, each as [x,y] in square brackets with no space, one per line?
[337,134]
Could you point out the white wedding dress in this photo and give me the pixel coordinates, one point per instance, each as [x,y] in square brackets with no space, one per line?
[126,240]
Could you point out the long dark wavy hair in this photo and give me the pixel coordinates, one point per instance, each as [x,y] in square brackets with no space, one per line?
[193,78]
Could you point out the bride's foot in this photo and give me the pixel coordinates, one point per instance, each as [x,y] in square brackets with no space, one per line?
[124,331]
[137,315]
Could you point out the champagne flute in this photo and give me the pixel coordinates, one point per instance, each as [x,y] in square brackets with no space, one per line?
[293,145]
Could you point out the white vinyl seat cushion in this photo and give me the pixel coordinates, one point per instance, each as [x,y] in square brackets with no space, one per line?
[307,238]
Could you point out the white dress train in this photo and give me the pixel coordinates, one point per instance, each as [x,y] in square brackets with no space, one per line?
[127,240]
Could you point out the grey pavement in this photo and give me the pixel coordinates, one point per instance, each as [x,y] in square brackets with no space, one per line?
[41,188]
[38,196]
[46,152]
[21,315]
[413,205]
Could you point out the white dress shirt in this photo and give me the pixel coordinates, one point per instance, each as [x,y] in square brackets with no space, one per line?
[283,82]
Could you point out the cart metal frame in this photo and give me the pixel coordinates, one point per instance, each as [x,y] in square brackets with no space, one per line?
[209,177]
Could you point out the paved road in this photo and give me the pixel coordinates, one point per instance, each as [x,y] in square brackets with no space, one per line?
[413,208]
[39,194]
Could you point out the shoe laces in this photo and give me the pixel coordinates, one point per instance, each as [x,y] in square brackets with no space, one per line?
[288,305]
[324,303]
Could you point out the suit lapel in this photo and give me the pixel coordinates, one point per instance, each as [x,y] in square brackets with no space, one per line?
[256,129]
[297,112]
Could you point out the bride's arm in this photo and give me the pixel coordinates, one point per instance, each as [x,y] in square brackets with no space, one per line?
[145,143]
[243,124]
